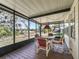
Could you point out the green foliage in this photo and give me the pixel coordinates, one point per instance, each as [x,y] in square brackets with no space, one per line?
[17,32]
[4,31]
[9,32]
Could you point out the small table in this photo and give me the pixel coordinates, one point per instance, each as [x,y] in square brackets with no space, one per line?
[49,37]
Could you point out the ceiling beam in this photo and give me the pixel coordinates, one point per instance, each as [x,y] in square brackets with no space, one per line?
[55,22]
[59,11]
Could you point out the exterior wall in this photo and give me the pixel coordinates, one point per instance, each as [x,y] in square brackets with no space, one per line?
[73,43]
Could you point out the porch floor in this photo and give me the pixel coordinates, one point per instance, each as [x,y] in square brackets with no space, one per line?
[28,52]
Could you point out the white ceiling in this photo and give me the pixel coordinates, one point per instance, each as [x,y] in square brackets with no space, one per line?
[37,7]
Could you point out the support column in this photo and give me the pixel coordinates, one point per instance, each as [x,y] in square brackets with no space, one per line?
[14,27]
[28,29]
[36,27]
[40,29]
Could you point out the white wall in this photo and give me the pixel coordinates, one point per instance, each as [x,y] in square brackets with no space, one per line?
[73,43]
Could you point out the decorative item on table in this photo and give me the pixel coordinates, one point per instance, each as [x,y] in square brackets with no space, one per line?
[47,29]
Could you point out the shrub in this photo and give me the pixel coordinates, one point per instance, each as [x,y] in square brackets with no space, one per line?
[5,31]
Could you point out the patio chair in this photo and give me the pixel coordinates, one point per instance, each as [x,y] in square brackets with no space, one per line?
[43,45]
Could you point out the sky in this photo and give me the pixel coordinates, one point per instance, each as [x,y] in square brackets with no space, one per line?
[32,25]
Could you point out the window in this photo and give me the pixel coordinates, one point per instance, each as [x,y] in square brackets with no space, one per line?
[21,29]
[72,30]
[32,29]
[72,23]
[6,28]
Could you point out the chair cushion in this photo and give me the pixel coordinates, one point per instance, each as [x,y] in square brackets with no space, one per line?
[42,42]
